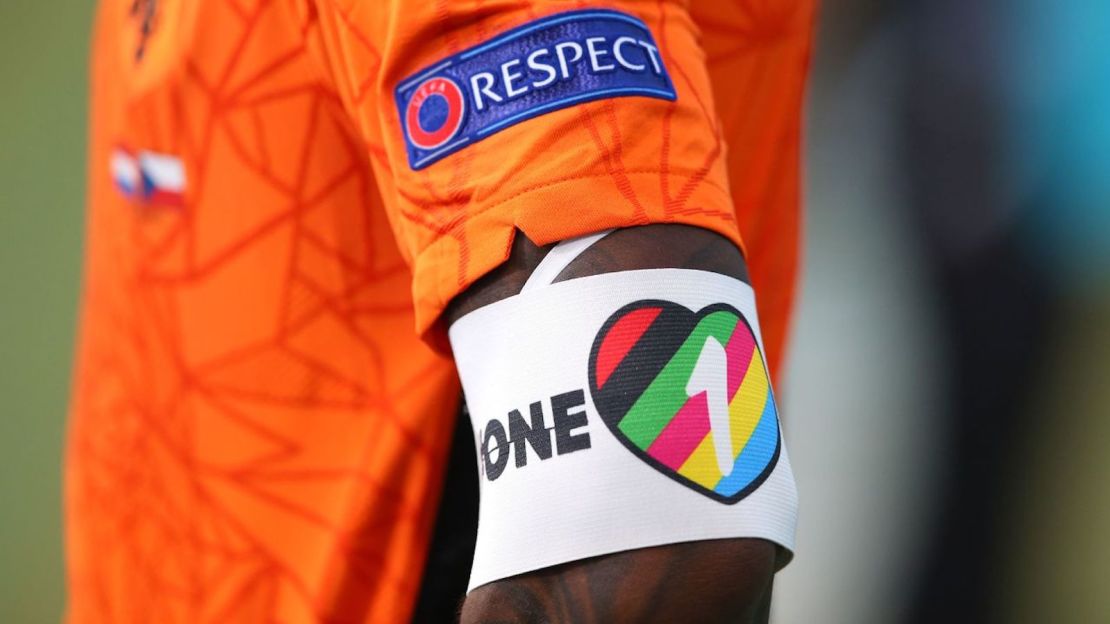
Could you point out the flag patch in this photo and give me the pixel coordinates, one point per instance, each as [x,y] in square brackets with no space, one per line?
[148,177]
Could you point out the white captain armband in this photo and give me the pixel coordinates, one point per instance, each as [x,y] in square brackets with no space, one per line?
[621,411]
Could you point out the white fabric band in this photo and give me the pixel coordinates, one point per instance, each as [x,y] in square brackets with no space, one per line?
[621,411]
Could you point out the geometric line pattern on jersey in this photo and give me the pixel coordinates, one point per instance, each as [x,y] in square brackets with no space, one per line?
[688,393]
[173,515]
[537,68]
[235,452]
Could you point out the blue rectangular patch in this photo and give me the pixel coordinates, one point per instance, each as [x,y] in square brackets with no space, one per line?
[542,66]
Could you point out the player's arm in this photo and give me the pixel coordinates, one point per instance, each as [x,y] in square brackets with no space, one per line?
[721,580]
[727,581]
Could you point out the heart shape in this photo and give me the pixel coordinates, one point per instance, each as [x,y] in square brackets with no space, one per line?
[688,393]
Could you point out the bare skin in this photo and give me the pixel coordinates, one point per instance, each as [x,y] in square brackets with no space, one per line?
[727,581]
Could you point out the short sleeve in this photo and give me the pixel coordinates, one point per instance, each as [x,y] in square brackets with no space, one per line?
[620,155]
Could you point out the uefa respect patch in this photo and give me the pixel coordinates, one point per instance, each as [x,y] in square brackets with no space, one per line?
[542,66]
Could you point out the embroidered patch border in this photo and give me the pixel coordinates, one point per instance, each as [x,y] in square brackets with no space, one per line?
[540,67]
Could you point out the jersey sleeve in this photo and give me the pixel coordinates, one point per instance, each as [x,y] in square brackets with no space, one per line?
[470,141]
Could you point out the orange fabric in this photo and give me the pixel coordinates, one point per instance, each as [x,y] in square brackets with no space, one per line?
[258,432]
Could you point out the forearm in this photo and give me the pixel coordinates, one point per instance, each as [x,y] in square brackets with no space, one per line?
[715,581]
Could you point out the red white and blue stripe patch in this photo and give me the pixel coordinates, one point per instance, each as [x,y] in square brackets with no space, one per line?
[542,66]
[148,177]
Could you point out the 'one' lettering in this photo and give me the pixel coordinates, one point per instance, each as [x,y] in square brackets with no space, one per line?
[529,439]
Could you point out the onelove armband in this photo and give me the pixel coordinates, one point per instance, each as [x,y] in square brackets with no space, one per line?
[621,411]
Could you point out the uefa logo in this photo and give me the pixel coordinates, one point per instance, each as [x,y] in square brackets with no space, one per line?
[435,113]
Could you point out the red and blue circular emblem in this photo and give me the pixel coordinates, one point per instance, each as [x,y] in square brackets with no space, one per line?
[434,113]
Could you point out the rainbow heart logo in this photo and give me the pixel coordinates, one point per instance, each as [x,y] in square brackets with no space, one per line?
[688,393]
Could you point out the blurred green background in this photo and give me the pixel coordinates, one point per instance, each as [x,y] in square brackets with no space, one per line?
[43,57]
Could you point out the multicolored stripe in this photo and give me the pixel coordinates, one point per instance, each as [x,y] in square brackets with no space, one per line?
[666,424]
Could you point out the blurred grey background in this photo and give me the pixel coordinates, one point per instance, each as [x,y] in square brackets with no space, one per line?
[946,402]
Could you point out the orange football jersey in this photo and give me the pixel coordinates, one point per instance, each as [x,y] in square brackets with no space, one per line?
[259,425]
